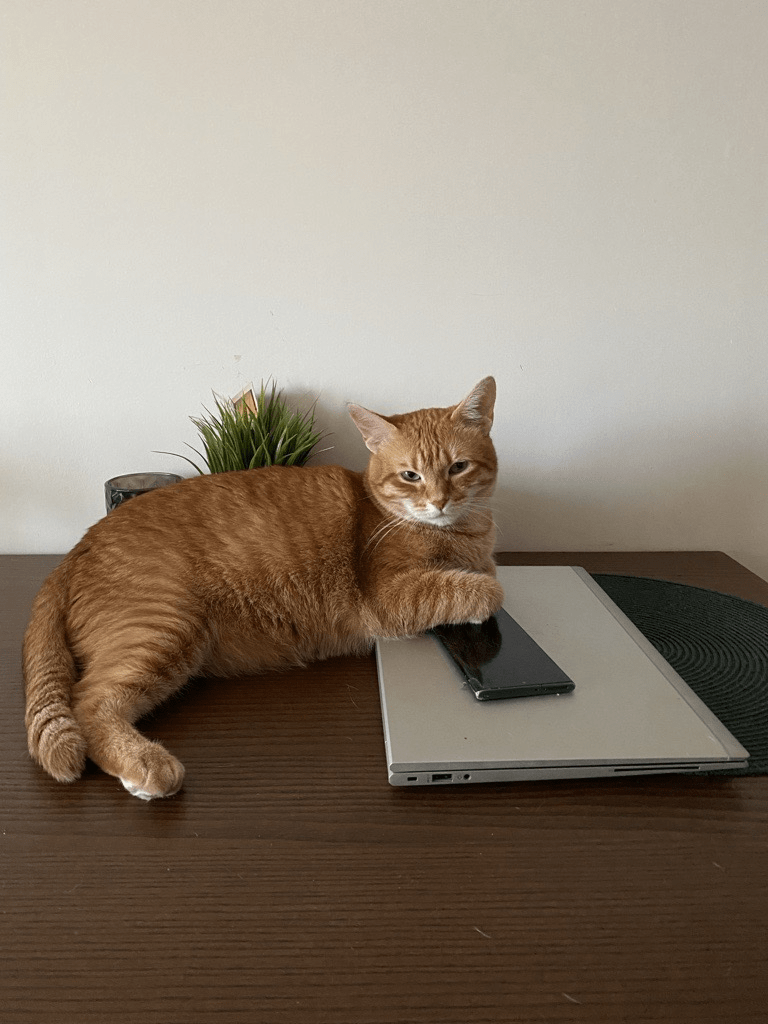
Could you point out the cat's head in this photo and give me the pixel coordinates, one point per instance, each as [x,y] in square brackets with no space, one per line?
[432,466]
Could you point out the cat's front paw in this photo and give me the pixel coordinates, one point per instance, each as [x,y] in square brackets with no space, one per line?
[474,597]
[488,600]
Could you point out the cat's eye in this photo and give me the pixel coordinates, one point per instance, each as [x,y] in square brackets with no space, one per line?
[458,467]
[410,476]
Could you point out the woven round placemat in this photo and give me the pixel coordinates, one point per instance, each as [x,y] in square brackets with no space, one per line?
[717,643]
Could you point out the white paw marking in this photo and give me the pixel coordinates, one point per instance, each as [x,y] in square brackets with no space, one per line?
[135,791]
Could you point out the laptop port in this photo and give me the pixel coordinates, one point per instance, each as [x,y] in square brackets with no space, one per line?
[441,777]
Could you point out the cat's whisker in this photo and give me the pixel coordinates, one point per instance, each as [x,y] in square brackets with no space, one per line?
[387,528]
[379,533]
[383,526]
[506,510]
[496,501]
[473,504]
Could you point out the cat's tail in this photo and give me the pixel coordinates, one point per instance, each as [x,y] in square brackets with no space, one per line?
[53,735]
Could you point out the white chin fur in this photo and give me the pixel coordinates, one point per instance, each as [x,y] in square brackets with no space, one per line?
[439,520]
[430,516]
[434,519]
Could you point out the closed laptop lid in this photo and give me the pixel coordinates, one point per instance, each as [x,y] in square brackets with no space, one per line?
[628,707]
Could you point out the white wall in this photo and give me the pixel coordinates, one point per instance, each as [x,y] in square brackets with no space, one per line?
[382,201]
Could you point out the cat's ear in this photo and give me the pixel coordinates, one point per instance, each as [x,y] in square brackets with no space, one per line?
[477,408]
[375,429]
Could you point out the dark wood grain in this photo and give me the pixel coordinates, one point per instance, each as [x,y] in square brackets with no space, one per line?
[288,882]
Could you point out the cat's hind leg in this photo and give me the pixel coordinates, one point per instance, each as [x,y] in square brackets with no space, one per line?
[108,700]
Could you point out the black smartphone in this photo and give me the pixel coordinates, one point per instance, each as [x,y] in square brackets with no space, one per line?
[499,659]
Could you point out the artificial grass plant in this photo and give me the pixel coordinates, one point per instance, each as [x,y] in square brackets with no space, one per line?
[248,435]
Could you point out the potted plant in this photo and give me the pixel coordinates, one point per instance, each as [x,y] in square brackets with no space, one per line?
[248,432]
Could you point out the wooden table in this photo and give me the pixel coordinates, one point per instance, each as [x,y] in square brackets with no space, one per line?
[289,883]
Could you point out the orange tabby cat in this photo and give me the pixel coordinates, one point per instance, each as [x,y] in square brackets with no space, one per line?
[236,573]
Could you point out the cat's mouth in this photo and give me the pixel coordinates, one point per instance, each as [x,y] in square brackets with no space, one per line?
[433,516]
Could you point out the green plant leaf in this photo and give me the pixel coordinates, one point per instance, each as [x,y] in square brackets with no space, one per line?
[237,438]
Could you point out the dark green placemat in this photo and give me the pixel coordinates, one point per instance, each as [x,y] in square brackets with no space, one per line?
[717,643]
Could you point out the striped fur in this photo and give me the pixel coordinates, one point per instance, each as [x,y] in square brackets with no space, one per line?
[54,736]
[238,573]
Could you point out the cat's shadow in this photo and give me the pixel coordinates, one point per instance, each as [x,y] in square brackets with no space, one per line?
[661,488]
[340,444]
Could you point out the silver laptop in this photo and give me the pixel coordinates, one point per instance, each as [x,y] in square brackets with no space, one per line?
[629,714]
